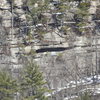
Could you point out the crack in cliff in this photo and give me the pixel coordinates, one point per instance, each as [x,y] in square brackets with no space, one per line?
[58,49]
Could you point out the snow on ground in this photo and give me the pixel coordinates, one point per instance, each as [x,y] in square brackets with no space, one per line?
[94,91]
[84,81]
[70,97]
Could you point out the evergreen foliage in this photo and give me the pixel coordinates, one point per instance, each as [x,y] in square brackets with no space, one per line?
[8,86]
[33,83]
[37,8]
[31,87]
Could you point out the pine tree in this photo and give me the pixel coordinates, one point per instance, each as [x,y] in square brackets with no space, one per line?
[8,86]
[33,83]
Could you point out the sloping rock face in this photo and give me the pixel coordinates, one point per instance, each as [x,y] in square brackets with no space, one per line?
[63,57]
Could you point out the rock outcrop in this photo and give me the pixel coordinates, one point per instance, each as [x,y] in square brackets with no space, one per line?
[63,57]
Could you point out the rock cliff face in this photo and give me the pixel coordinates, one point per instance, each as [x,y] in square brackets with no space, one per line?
[11,16]
[62,57]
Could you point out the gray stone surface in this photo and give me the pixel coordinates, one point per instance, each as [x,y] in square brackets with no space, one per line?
[80,59]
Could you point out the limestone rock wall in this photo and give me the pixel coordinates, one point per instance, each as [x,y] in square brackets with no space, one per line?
[11,16]
[62,57]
